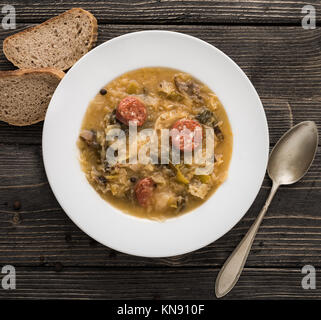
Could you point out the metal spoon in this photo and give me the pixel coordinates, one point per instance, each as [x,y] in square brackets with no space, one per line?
[289,161]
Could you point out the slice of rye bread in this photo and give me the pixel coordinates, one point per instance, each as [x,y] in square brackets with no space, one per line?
[25,94]
[56,43]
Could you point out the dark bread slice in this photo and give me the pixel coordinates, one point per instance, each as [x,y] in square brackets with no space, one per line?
[25,94]
[56,43]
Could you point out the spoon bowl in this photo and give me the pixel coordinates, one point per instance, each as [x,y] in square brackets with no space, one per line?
[293,154]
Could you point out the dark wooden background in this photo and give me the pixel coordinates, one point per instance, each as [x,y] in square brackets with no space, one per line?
[54,259]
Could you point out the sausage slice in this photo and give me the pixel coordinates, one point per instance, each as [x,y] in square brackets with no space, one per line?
[131,109]
[186,134]
[144,189]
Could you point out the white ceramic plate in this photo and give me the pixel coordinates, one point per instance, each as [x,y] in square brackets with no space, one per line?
[121,231]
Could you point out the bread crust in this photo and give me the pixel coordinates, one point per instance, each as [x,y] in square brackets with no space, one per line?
[91,44]
[21,72]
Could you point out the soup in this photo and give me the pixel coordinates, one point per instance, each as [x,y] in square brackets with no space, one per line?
[155,98]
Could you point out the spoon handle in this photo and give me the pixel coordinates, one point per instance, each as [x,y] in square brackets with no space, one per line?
[233,266]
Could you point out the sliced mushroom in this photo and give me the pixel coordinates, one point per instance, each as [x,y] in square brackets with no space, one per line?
[188,87]
[168,90]
[88,136]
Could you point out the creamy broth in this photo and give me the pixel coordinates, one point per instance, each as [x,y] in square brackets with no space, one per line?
[163,98]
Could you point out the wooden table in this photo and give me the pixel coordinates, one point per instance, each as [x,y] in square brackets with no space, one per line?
[54,259]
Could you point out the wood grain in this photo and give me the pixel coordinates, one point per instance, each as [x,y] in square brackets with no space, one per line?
[40,233]
[55,260]
[171,11]
[282,63]
[141,283]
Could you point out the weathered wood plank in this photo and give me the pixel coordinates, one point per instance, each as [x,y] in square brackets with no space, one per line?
[280,61]
[41,234]
[288,79]
[192,284]
[55,260]
[171,11]
[283,64]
